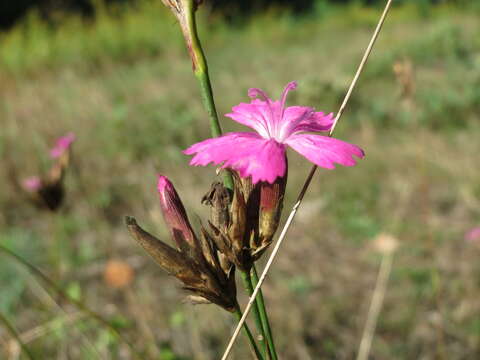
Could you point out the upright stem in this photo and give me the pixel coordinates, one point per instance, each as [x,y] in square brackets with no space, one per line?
[16,336]
[251,339]
[263,314]
[247,283]
[200,69]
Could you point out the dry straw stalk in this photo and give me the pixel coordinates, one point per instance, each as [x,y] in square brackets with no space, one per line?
[307,183]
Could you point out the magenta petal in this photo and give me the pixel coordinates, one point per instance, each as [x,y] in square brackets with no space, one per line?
[257,115]
[325,151]
[303,119]
[473,234]
[32,183]
[219,149]
[248,153]
[62,144]
[314,122]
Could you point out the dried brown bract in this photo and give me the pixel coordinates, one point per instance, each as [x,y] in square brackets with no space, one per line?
[197,261]
[405,75]
[243,227]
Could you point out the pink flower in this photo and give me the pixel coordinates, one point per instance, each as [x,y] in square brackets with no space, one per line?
[262,155]
[62,144]
[32,183]
[473,235]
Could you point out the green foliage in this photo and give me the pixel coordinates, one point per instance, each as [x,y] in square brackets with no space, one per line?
[123,83]
[24,242]
[124,33]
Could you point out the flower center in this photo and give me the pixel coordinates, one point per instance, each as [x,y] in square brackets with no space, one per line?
[274,122]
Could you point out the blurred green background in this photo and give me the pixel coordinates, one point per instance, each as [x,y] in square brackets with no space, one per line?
[118,76]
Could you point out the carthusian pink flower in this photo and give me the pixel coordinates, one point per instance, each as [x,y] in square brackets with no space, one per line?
[262,155]
[32,183]
[473,235]
[62,144]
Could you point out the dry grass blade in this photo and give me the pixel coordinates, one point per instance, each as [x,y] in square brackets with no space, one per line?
[375,307]
[44,329]
[307,182]
[14,334]
[69,299]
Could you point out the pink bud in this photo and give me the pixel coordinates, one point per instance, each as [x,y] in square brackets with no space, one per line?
[473,235]
[61,145]
[271,205]
[32,183]
[175,215]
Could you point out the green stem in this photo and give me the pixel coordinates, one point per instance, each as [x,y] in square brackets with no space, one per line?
[14,334]
[247,283]
[200,69]
[263,315]
[80,305]
[248,333]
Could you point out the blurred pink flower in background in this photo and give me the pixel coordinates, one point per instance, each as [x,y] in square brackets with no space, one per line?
[473,235]
[262,155]
[62,144]
[32,183]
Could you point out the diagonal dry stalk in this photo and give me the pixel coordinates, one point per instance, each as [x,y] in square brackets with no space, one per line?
[68,299]
[14,334]
[307,182]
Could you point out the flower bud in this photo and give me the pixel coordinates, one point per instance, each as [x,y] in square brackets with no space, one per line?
[175,216]
[271,205]
[32,184]
[62,145]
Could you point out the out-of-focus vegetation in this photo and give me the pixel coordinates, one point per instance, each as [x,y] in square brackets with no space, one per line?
[123,84]
[233,10]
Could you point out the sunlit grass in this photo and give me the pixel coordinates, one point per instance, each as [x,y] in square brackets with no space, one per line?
[123,83]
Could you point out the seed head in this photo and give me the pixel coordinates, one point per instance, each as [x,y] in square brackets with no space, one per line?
[197,262]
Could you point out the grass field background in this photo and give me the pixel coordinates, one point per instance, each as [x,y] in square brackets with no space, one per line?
[123,84]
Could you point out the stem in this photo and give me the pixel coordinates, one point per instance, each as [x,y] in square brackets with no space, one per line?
[80,305]
[251,340]
[307,182]
[247,283]
[263,315]
[16,336]
[200,69]
[375,306]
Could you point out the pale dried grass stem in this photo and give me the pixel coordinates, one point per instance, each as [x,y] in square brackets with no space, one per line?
[307,183]
[375,306]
